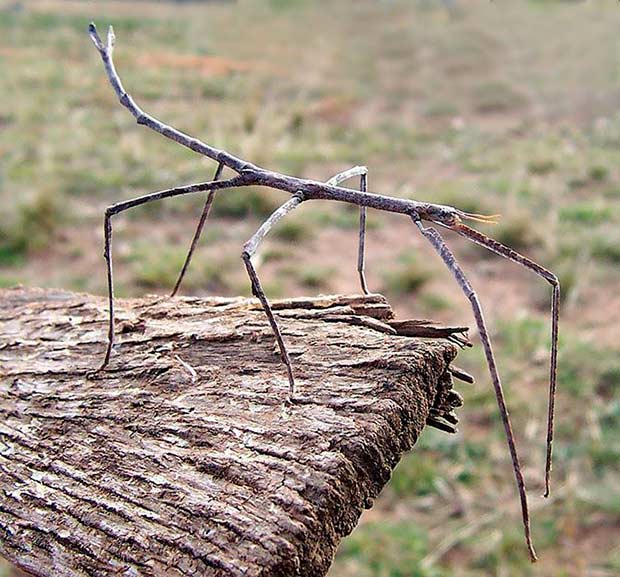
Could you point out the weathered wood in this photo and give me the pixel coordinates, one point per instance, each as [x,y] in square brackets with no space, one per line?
[182,459]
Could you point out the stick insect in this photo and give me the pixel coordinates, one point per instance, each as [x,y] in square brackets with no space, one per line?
[303,190]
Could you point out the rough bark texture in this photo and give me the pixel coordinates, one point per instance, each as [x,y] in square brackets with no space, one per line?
[181,458]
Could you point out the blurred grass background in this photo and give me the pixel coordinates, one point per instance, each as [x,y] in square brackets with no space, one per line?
[509,107]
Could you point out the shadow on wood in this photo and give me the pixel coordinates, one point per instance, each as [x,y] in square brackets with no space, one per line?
[182,458]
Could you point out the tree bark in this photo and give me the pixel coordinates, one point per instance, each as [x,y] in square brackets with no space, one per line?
[182,458]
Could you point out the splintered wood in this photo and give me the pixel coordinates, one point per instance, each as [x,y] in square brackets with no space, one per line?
[183,458]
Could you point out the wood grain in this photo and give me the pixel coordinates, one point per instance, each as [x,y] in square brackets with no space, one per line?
[182,458]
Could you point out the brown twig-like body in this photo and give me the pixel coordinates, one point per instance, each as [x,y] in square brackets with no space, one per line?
[305,189]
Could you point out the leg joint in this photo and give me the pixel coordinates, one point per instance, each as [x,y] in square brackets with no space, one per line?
[415,216]
[471,295]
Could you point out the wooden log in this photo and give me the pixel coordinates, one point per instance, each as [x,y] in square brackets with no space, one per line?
[183,458]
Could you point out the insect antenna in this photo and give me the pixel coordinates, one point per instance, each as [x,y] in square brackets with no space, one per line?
[486,218]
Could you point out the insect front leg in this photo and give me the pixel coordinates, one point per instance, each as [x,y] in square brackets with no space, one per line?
[510,254]
[249,249]
[450,261]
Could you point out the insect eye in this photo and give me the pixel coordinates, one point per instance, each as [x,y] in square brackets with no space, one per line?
[453,219]
[448,217]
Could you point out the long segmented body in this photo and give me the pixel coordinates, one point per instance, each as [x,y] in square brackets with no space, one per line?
[303,190]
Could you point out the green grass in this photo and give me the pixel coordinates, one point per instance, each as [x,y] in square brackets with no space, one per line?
[409,276]
[588,370]
[243,203]
[456,194]
[541,166]
[598,173]
[388,550]
[518,232]
[311,277]
[587,214]
[415,475]
[502,557]
[316,277]
[7,281]
[434,302]
[343,217]
[12,251]
[30,226]
[159,267]
[293,230]
[606,248]
[523,336]
[496,97]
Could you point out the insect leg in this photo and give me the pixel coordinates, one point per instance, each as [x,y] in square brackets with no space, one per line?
[502,250]
[249,249]
[362,172]
[123,206]
[335,180]
[450,261]
[203,218]
[361,257]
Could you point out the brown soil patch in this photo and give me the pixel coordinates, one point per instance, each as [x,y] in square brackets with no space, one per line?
[205,65]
